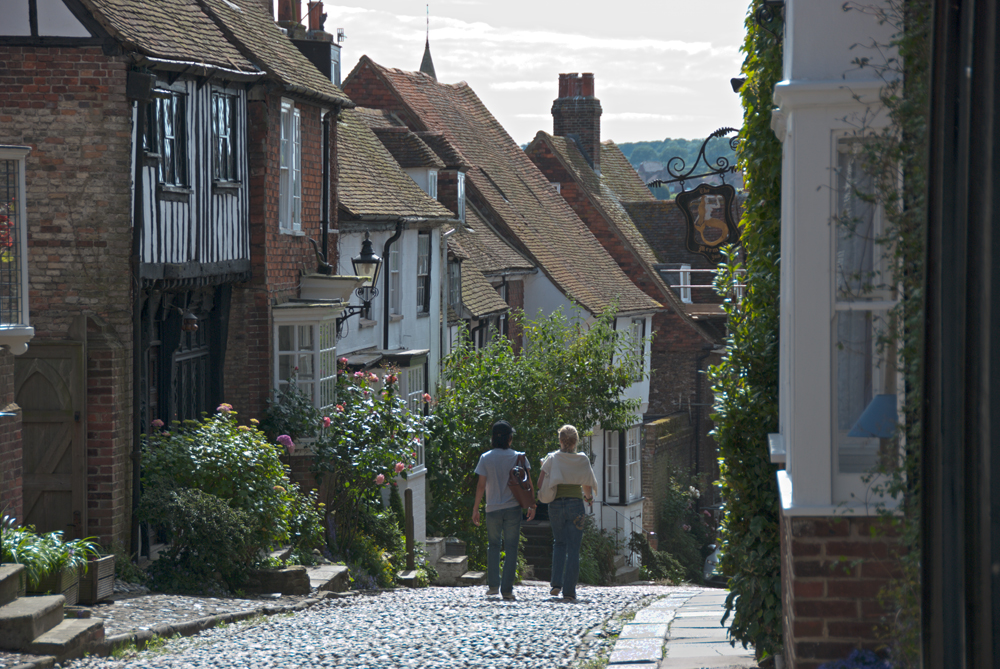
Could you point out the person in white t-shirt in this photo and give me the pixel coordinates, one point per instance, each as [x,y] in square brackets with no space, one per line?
[503,512]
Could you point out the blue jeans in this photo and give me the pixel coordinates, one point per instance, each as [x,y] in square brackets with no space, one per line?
[567,518]
[503,528]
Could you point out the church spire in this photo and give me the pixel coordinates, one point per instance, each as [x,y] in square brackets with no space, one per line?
[427,65]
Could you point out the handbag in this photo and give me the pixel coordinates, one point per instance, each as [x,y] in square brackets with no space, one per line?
[520,484]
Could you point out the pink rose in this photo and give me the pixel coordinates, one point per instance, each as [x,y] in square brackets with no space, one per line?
[427,397]
[358,375]
[326,420]
[380,479]
[340,408]
[287,442]
[400,467]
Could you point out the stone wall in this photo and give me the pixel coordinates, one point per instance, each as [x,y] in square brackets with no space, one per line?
[832,570]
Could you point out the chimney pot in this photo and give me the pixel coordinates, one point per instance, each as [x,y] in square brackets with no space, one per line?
[587,85]
[316,17]
[576,114]
[285,10]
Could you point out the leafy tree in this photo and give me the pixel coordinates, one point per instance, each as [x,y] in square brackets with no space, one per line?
[568,371]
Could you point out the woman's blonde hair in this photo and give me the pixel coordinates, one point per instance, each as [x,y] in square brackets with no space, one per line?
[568,436]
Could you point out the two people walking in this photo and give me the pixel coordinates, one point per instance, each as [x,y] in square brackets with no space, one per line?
[566,481]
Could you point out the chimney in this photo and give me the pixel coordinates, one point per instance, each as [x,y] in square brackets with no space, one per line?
[289,11]
[576,114]
[316,16]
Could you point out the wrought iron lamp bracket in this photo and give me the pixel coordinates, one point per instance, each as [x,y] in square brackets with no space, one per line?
[367,294]
[766,15]
[680,172]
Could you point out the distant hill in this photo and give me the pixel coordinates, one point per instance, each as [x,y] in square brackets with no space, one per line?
[650,160]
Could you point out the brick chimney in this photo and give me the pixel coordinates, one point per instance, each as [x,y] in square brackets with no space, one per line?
[576,114]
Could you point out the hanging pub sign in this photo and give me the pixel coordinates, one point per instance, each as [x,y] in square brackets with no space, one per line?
[707,209]
[708,212]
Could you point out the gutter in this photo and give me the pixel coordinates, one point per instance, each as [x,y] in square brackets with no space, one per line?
[182,65]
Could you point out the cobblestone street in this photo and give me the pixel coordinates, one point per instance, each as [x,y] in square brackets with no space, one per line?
[431,627]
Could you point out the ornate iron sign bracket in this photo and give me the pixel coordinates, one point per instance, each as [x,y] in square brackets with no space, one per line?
[707,209]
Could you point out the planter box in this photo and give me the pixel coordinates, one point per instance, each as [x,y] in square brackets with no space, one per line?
[65,583]
[99,581]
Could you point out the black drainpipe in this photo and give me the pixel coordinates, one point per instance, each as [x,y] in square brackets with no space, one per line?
[137,356]
[325,210]
[385,284]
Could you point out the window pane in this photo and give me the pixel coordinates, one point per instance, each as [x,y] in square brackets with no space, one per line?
[285,333]
[285,365]
[611,464]
[306,338]
[306,367]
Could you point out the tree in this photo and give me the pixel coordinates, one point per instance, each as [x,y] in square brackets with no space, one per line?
[568,371]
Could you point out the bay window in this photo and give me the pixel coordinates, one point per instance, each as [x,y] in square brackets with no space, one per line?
[305,351]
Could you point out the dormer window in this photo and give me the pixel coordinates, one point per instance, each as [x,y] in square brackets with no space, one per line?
[14,329]
[461,196]
[432,183]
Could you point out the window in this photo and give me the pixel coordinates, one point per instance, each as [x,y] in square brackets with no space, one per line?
[685,284]
[611,467]
[556,186]
[638,334]
[395,301]
[306,351]
[864,355]
[454,285]
[223,131]
[432,183]
[14,329]
[632,463]
[423,273]
[166,136]
[290,196]
[461,196]
[412,388]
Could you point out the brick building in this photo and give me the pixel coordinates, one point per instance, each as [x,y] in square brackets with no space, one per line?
[646,238]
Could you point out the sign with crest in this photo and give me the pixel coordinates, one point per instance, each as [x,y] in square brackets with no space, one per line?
[708,211]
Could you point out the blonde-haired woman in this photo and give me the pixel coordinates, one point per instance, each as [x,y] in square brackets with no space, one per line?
[572,477]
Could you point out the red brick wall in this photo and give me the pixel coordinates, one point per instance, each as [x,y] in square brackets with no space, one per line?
[365,88]
[278,259]
[666,448]
[580,116]
[832,570]
[11,472]
[69,106]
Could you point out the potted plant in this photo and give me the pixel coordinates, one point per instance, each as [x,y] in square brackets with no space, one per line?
[21,545]
[67,559]
[97,579]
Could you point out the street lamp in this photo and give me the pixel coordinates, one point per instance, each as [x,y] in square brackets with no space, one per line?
[366,264]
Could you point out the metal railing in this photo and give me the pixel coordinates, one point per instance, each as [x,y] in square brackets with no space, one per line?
[631,558]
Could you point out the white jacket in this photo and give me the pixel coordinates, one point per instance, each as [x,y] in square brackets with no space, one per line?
[562,468]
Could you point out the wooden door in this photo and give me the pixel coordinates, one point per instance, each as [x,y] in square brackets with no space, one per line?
[50,387]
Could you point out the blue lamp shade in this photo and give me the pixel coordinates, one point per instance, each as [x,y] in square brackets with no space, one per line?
[879,419]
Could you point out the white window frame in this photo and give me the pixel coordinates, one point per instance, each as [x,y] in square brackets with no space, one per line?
[318,354]
[423,272]
[224,136]
[633,469]
[15,331]
[612,482]
[395,289]
[412,389]
[685,284]
[455,284]
[460,196]
[290,188]
[167,137]
[557,186]
[432,183]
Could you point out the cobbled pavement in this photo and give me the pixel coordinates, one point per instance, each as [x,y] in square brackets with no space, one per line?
[429,627]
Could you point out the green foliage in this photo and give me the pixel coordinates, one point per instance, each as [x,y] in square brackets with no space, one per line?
[597,554]
[683,531]
[289,411]
[230,461]
[568,372]
[42,554]
[745,383]
[685,149]
[371,437]
[305,526]
[208,539]
[657,565]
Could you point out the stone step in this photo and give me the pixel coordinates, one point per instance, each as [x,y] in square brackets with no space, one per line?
[450,568]
[407,579]
[330,577]
[627,574]
[69,639]
[435,548]
[619,561]
[473,578]
[10,582]
[25,619]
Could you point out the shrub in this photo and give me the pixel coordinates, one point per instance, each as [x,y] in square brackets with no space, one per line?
[683,532]
[42,554]
[290,411]
[597,554]
[658,565]
[208,539]
[305,526]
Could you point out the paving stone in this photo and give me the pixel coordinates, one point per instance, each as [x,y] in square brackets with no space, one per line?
[636,650]
[654,616]
[644,631]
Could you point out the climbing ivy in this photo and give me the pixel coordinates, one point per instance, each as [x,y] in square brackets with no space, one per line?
[745,382]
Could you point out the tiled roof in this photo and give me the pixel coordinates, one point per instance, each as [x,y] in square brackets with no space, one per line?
[408,149]
[617,217]
[618,174]
[379,118]
[260,39]
[505,181]
[478,296]
[451,156]
[372,185]
[175,30]
[488,250]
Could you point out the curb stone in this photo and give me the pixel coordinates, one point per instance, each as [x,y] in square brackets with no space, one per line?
[141,638]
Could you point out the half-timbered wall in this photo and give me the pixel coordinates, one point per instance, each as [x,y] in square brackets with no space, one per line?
[204,223]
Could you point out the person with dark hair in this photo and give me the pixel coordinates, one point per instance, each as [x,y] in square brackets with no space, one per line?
[503,512]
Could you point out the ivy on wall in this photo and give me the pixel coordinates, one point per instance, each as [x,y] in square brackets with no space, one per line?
[745,382]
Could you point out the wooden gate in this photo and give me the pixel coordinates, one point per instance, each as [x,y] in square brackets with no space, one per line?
[50,387]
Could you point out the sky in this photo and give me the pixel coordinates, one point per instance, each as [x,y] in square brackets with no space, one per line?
[662,67]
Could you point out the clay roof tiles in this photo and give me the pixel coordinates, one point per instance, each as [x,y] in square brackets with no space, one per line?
[261,40]
[408,149]
[478,296]
[490,253]
[619,175]
[372,185]
[506,181]
[176,30]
